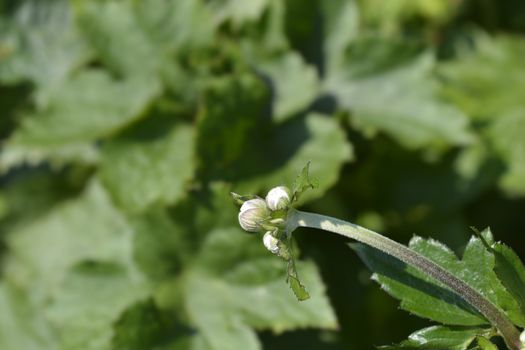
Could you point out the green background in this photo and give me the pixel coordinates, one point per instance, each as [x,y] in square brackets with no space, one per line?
[125,124]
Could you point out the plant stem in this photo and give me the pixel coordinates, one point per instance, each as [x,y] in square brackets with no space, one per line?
[492,313]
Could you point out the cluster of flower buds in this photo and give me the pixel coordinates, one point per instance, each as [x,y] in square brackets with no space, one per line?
[262,215]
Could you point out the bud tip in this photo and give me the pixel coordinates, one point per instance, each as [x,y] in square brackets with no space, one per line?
[278,198]
[271,243]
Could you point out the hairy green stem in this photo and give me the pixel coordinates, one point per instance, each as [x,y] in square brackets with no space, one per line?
[492,313]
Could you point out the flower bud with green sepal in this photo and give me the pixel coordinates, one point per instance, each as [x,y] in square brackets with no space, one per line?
[271,243]
[252,215]
[278,198]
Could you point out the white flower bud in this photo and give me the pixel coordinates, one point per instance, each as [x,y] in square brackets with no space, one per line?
[278,198]
[252,212]
[271,243]
[522,340]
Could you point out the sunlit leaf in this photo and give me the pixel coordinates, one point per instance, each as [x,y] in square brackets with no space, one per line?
[303,182]
[21,326]
[294,83]
[294,144]
[162,167]
[473,76]
[506,134]
[423,296]
[84,228]
[81,311]
[86,108]
[439,338]
[235,272]
[238,11]
[40,43]
[403,103]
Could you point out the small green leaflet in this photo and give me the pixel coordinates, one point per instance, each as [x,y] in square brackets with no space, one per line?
[303,182]
[485,344]
[440,338]
[293,278]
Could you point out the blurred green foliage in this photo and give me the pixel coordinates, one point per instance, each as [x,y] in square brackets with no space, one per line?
[126,123]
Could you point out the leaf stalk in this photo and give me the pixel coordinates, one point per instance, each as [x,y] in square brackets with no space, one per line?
[491,312]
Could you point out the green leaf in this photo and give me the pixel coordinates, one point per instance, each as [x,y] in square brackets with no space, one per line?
[143,326]
[298,289]
[162,167]
[21,325]
[236,141]
[485,344]
[141,39]
[423,296]
[473,76]
[273,33]
[286,252]
[294,82]
[17,153]
[238,11]
[85,228]
[341,23]
[117,38]
[85,108]
[159,248]
[40,43]
[228,124]
[81,310]
[90,106]
[294,144]
[168,24]
[401,102]
[391,16]
[506,135]
[237,285]
[33,195]
[439,338]
[303,182]
[12,99]
[4,210]
[511,272]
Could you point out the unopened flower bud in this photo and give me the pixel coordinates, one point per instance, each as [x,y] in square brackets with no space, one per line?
[522,340]
[271,243]
[278,198]
[251,214]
